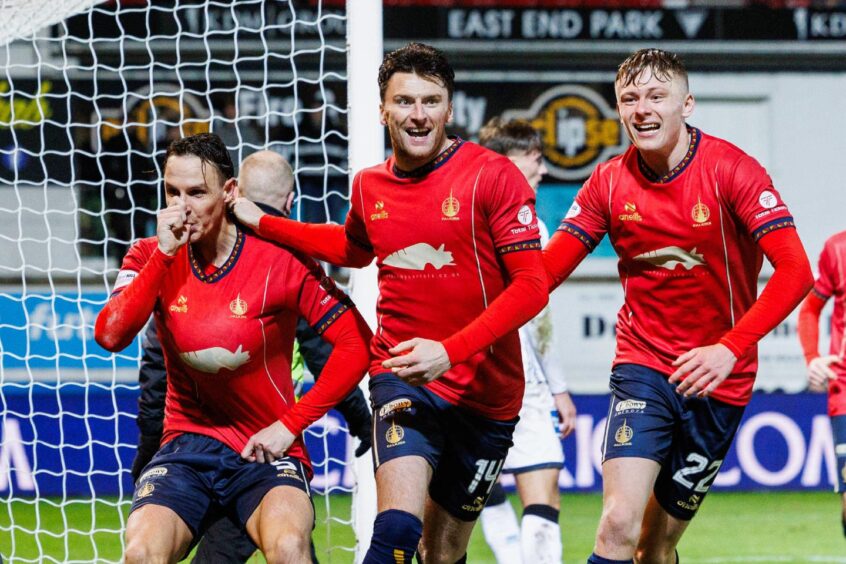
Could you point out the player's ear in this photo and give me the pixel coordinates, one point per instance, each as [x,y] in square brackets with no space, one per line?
[289,204]
[689,104]
[449,115]
[383,116]
[230,189]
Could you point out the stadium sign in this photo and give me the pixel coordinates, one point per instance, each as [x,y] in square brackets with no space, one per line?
[579,129]
[431,20]
[784,442]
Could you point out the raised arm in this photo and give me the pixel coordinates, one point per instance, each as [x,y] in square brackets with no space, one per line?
[323,241]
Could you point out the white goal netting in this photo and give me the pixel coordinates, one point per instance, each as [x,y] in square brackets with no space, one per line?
[87,107]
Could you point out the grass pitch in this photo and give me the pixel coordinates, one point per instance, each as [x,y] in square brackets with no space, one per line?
[760,527]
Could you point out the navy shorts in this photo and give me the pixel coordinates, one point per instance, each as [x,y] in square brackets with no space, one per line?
[838,431]
[199,478]
[466,450]
[688,437]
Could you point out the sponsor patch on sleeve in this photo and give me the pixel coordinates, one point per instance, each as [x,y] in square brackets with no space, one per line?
[124,278]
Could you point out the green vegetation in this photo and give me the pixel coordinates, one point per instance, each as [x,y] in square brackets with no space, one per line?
[760,527]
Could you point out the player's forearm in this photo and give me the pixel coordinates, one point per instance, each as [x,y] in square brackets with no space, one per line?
[524,297]
[125,313]
[561,256]
[809,326]
[790,282]
[323,241]
[347,365]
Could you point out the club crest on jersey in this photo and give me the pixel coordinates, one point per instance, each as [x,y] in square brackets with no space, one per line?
[631,213]
[144,491]
[394,435]
[380,212]
[450,207]
[623,435]
[181,305]
[671,257]
[700,214]
[238,307]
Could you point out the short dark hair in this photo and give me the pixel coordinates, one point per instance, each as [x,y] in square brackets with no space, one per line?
[503,137]
[420,59]
[663,64]
[210,149]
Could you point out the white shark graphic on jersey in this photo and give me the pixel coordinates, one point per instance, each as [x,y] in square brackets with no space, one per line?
[671,257]
[213,359]
[417,256]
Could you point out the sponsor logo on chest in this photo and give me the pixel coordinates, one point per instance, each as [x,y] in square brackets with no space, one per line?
[379,211]
[630,213]
[181,305]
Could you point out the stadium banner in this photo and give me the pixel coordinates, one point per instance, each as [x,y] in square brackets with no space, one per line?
[86,439]
[517,20]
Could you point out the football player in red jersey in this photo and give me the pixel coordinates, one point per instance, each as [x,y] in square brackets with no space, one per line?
[829,372]
[453,229]
[690,217]
[224,300]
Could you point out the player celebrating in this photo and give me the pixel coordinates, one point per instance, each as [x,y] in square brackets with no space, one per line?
[829,372]
[536,458]
[267,178]
[453,230]
[224,300]
[689,216]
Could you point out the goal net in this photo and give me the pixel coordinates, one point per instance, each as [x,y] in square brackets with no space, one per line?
[88,105]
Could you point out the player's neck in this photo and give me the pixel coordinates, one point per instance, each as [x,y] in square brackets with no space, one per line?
[409,164]
[217,250]
[663,161]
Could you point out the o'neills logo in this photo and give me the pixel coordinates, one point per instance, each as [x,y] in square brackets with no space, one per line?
[181,305]
[578,127]
[631,213]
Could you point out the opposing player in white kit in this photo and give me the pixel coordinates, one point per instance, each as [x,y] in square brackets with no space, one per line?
[536,458]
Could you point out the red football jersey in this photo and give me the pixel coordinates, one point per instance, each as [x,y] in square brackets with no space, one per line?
[228,335]
[831,283]
[687,243]
[437,236]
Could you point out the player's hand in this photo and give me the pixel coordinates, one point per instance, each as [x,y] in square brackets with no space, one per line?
[268,444]
[820,372]
[420,361]
[566,413]
[246,211]
[171,229]
[702,369]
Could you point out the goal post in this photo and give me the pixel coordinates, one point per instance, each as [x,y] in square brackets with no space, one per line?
[87,108]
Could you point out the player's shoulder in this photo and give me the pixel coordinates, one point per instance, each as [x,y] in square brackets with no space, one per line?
[471,152]
[717,148]
[142,250]
[836,240]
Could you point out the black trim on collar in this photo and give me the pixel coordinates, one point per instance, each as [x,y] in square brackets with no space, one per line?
[224,269]
[438,161]
[651,176]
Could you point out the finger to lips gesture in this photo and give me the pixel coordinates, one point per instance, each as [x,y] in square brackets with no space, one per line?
[702,369]
[171,230]
[420,361]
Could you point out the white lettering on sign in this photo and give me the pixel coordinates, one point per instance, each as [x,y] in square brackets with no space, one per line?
[487,24]
[633,24]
